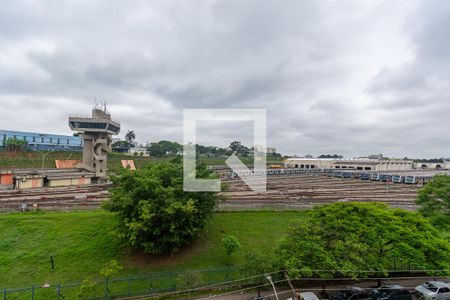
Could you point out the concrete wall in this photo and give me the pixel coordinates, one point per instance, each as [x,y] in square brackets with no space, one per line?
[69,181]
[394,166]
[308,163]
[432,166]
[67,164]
[6,179]
[29,183]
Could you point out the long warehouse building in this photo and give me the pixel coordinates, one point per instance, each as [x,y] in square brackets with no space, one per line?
[361,164]
[42,141]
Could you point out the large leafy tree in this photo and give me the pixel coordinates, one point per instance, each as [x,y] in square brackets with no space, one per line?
[238,148]
[434,199]
[163,148]
[353,237]
[130,136]
[154,212]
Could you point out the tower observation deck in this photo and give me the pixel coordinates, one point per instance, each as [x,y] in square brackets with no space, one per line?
[96,131]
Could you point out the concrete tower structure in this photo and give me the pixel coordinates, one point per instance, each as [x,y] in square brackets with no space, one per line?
[96,132]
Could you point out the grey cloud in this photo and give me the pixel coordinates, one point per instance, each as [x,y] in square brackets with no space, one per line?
[320,69]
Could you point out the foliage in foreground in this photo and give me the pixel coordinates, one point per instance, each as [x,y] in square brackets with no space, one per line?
[352,237]
[88,288]
[154,212]
[231,244]
[434,199]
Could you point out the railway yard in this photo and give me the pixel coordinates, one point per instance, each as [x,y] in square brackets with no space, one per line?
[302,191]
[284,191]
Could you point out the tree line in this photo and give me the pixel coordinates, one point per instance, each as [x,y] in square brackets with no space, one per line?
[168,148]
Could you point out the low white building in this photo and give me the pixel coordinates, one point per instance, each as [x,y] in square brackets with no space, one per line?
[139,151]
[361,164]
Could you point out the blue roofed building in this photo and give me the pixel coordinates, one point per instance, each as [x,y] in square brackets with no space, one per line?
[43,141]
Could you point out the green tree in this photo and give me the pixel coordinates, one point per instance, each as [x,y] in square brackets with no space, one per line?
[111,269]
[130,136]
[163,148]
[88,288]
[231,244]
[434,200]
[239,149]
[170,148]
[14,145]
[350,237]
[156,150]
[154,212]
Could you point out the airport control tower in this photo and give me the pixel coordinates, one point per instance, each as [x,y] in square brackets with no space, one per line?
[96,133]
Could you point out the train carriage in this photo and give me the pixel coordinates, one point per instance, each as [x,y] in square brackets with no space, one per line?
[375,177]
[411,179]
[364,176]
[398,179]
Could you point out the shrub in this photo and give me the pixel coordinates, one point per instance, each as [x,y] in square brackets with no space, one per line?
[231,244]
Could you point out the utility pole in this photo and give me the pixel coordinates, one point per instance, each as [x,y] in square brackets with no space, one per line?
[43,158]
[273,286]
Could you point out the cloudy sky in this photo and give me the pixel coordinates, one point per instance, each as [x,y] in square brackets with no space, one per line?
[348,77]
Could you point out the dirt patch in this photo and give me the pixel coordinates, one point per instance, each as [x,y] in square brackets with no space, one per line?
[136,258]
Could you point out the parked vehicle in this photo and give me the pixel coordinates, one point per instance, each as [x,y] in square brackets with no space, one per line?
[385,178]
[347,175]
[307,296]
[375,177]
[433,290]
[398,179]
[337,174]
[391,292]
[365,176]
[351,293]
[411,179]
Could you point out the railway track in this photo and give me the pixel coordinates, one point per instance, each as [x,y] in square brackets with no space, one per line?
[295,191]
[60,198]
[304,191]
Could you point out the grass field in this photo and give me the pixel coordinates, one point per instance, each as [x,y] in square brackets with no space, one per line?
[33,159]
[81,244]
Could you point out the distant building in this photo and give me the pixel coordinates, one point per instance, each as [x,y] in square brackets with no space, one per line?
[121,146]
[139,151]
[267,150]
[42,141]
[376,156]
[361,164]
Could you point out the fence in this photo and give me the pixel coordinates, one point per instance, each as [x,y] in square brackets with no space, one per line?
[151,284]
[177,282]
